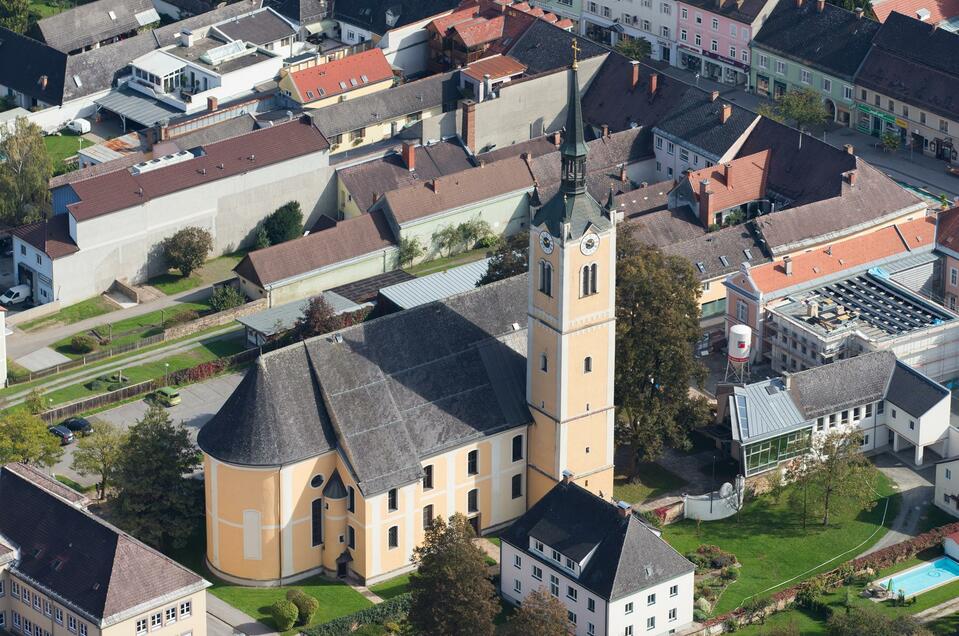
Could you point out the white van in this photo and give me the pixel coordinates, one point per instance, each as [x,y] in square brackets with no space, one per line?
[79,126]
[15,295]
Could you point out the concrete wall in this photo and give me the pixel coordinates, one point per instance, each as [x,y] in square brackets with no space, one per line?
[407,48]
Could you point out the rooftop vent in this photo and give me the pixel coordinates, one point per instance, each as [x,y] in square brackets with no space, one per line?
[224,53]
[113,16]
[923,14]
[161,162]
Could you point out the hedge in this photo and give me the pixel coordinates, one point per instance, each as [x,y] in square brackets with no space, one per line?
[394,609]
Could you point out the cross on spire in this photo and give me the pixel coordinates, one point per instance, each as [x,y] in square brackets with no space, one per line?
[576,50]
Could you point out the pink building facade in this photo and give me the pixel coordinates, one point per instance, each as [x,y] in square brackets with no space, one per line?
[713,37]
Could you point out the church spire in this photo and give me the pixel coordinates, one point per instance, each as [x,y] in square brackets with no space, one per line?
[573,149]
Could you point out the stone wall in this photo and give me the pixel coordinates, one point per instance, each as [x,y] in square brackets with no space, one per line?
[214,320]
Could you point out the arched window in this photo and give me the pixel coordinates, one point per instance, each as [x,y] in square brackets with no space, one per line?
[543,363]
[588,365]
[546,278]
[593,270]
[588,279]
[317,521]
[584,280]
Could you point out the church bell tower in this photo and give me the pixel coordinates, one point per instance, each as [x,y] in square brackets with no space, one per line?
[572,326]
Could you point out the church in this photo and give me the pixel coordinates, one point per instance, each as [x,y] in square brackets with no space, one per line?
[335,454]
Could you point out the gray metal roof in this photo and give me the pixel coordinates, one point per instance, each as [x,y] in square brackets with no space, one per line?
[764,409]
[136,107]
[438,286]
[282,317]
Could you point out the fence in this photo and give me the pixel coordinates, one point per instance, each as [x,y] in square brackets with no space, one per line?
[87,359]
[718,504]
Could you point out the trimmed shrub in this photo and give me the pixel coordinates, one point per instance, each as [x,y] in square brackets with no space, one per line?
[306,605]
[226,297]
[730,574]
[284,615]
[82,343]
[394,609]
[699,615]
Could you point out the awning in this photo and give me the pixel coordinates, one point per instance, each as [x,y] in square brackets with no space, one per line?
[134,106]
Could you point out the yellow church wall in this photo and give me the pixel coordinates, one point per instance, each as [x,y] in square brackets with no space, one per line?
[590,391]
[586,448]
[578,307]
[543,385]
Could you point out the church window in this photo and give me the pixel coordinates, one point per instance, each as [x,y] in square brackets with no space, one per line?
[543,363]
[317,521]
[588,364]
[589,277]
[546,278]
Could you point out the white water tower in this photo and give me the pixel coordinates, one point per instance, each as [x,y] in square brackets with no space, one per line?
[738,352]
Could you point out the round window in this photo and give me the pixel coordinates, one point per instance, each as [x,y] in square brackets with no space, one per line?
[317,481]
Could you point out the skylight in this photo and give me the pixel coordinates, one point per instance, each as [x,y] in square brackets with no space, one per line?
[113,16]
[724,261]
[343,85]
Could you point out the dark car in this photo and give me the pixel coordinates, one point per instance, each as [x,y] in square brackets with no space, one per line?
[65,434]
[79,425]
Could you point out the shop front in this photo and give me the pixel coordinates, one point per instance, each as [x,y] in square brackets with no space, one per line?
[599,33]
[689,59]
[724,70]
[877,123]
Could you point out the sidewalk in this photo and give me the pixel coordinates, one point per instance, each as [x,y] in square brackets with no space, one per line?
[236,619]
[22,342]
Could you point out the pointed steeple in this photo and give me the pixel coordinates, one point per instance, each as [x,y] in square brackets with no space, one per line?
[573,143]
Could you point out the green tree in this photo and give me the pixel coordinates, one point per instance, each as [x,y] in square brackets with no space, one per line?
[24,438]
[24,173]
[868,621]
[451,568]
[156,500]
[657,324]
[634,48]
[410,249]
[890,142]
[803,106]
[510,258]
[285,224]
[542,614]
[15,15]
[840,472]
[306,605]
[226,297]
[98,454]
[447,239]
[261,239]
[187,249]
[35,402]
[801,477]
[318,318]
[473,231]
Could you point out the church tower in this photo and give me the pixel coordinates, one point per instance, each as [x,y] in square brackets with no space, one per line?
[572,326]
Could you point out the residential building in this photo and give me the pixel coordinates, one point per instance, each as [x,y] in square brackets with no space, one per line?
[611,22]
[462,37]
[728,193]
[808,44]
[909,90]
[264,326]
[714,37]
[314,85]
[887,401]
[947,484]
[944,13]
[66,571]
[367,20]
[612,572]
[344,473]
[90,26]
[266,29]
[109,226]
[306,14]
[570,10]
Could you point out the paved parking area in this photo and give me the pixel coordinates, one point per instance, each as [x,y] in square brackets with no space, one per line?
[200,402]
[41,359]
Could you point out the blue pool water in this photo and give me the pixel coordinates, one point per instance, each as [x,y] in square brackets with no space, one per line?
[920,579]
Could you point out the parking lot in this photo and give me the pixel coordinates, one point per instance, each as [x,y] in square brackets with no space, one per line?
[199,403]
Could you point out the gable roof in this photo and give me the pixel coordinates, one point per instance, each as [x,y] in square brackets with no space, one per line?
[102,571]
[302,11]
[695,120]
[939,10]
[546,47]
[626,555]
[947,229]
[393,391]
[830,388]
[342,75]
[458,189]
[833,40]
[261,27]
[379,16]
[744,11]
[39,71]
[479,30]
[919,41]
[914,392]
[734,183]
[94,22]
[50,236]
[721,252]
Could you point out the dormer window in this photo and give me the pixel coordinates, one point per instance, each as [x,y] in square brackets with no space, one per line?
[557,557]
[538,546]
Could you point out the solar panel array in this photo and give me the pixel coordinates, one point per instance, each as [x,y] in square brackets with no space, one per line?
[881,305]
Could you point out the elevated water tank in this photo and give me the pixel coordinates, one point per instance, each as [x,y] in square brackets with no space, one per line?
[740,342]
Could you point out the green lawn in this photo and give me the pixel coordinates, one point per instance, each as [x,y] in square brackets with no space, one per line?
[63,146]
[770,543]
[213,271]
[654,481]
[89,308]
[392,587]
[445,263]
[945,626]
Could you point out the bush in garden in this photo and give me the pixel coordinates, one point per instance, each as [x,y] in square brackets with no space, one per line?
[82,343]
[306,605]
[284,614]
[226,297]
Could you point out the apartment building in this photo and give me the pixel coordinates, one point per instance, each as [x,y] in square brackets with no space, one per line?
[611,21]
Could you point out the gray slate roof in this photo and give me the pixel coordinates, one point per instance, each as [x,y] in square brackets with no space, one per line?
[544,47]
[914,392]
[695,121]
[90,23]
[629,556]
[708,251]
[842,384]
[386,393]
[261,28]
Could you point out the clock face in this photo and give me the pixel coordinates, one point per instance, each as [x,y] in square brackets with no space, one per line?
[589,244]
[546,242]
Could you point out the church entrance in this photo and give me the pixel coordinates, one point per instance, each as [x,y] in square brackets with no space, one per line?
[475,522]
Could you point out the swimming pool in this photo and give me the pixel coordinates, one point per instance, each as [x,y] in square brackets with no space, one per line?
[923,577]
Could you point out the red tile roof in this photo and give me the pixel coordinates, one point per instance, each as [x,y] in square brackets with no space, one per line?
[497,66]
[348,239]
[342,76]
[443,23]
[947,232]
[119,190]
[566,24]
[848,254]
[480,30]
[51,236]
[748,183]
[939,10]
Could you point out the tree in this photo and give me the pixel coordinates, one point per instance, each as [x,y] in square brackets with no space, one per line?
[24,173]
[510,258]
[541,613]
[657,324]
[187,249]
[156,502]
[839,471]
[35,402]
[803,106]
[285,224]
[226,297]
[24,438]
[473,231]
[15,15]
[800,474]
[890,142]
[318,318]
[447,239]
[756,608]
[868,621]
[634,48]
[98,454]
[410,249]
[451,568]
[261,239]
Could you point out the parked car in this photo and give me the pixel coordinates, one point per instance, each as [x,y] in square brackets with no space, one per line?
[79,126]
[65,435]
[79,425]
[15,295]
[167,396]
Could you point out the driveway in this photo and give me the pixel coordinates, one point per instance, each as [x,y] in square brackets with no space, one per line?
[199,403]
[916,486]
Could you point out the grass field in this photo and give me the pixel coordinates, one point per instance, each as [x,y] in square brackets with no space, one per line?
[770,543]
[445,263]
[392,587]
[60,147]
[654,481]
[213,271]
[89,308]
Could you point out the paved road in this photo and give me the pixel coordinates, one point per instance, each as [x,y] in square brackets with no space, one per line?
[917,491]
[200,402]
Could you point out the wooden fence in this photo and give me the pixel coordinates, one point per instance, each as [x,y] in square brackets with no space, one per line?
[87,359]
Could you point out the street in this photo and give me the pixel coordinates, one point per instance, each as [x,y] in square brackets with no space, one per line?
[200,402]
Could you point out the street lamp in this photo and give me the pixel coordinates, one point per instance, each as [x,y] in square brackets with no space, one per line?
[166,373]
[697,80]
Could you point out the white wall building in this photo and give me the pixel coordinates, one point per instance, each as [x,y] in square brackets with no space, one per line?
[609,21]
[614,574]
[947,484]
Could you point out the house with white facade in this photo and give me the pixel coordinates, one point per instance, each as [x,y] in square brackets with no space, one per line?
[947,483]
[614,574]
[612,21]
[893,406]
